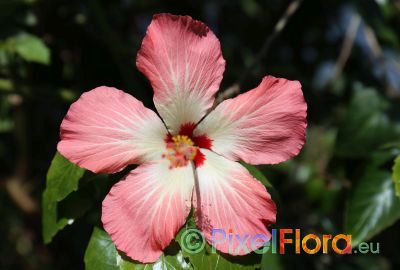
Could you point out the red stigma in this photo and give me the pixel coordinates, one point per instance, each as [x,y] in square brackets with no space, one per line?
[201,141]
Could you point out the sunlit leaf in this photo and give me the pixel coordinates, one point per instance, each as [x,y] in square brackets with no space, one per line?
[101,254]
[32,49]
[62,179]
[396,175]
[372,207]
[28,47]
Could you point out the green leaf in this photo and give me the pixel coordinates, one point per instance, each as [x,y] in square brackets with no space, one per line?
[62,178]
[6,85]
[28,47]
[207,258]
[271,261]
[256,173]
[50,223]
[92,190]
[396,175]
[32,49]
[365,126]
[251,7]
[101,254]
[372,207]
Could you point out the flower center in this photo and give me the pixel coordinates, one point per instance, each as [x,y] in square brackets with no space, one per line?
[180,150]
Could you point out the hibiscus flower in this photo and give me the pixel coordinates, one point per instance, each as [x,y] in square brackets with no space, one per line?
[188,157]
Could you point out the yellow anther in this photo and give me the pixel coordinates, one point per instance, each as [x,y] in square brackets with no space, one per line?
[180,151]
[182,140]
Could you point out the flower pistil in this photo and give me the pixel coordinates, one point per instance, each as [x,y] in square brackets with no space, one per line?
[180,151]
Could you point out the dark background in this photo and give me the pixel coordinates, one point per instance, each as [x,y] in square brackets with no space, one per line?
[93,43]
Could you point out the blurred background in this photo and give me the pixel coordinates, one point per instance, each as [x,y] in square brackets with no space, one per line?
[345,53]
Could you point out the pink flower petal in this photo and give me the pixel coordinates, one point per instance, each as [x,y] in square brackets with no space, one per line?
[182,59]
[233,201]
[144,212]
[263,126]
[107,129]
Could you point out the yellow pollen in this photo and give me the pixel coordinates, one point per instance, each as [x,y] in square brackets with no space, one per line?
[182,140]
[180,151]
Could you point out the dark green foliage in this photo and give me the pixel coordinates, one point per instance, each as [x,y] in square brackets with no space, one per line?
[345,180]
